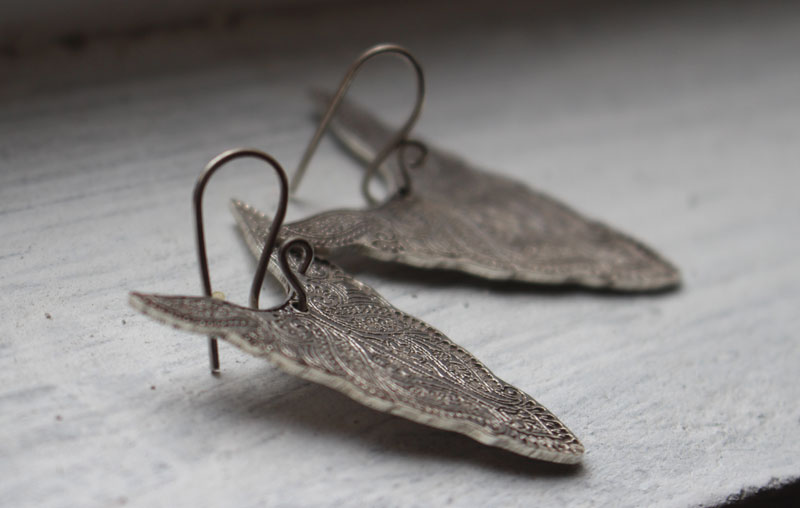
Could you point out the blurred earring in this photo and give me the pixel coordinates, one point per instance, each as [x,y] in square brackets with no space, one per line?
[445,213]
[339,332]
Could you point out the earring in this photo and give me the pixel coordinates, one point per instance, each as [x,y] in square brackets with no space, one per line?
[448,214]
[270,238]
[339,332]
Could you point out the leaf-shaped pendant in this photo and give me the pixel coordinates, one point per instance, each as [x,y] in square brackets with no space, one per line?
[462,218]
[354,341]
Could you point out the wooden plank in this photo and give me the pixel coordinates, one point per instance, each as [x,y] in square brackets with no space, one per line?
[677,124]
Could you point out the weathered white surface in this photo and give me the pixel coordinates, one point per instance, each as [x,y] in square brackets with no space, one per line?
[679,125]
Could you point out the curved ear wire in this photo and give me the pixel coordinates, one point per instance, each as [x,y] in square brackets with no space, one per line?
[393,143]
[255,290]
[422,153]
[308,256]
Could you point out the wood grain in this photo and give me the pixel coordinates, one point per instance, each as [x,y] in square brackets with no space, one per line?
[677,124]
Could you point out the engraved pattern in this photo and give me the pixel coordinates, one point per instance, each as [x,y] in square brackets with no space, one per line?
[462,218]
[354,341]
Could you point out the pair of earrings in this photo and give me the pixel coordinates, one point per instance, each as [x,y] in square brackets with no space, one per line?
[339,332]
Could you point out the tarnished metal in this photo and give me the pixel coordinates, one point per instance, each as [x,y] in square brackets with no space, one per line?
[391,143]
[202,259]
[351,339]
[339,332]
[459,217]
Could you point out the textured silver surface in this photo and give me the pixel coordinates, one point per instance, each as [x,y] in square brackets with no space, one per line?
[684,112]
[463,218]
[354,341]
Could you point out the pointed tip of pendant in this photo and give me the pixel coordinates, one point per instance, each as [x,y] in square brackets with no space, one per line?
[253,224]
[622,263]
[647,271]
[666,277]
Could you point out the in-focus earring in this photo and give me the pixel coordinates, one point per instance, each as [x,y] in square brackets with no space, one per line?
[339,332]
[448,214]
[270,238]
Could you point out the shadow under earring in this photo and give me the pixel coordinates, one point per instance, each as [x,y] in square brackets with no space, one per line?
[447,214]
[339,332]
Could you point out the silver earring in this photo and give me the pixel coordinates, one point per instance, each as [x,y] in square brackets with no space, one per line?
[339,332]
[444,213]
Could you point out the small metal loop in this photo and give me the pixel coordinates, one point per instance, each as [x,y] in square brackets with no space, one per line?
[258,280]
[394,142]
[404,145]
[308,256]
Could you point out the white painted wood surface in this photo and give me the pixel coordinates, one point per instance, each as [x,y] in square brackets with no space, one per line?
[678,124]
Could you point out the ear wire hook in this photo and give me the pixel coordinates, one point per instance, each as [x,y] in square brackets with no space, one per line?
[255,290]
[308,256]
[393,143]
[403,145]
